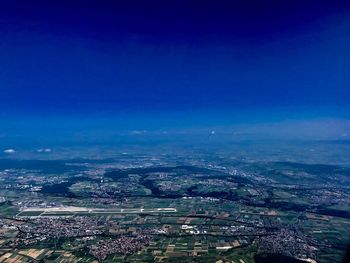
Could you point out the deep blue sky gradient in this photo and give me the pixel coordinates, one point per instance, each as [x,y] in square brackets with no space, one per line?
[216,61]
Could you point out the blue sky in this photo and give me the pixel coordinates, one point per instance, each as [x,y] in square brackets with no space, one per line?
[164,64]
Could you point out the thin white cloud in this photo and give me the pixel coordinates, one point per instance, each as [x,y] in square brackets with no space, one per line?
[137,132]
[9,151]
[44,150]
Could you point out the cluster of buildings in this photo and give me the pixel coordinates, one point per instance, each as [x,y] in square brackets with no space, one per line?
[288,241]
[125,245]
[43,228]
